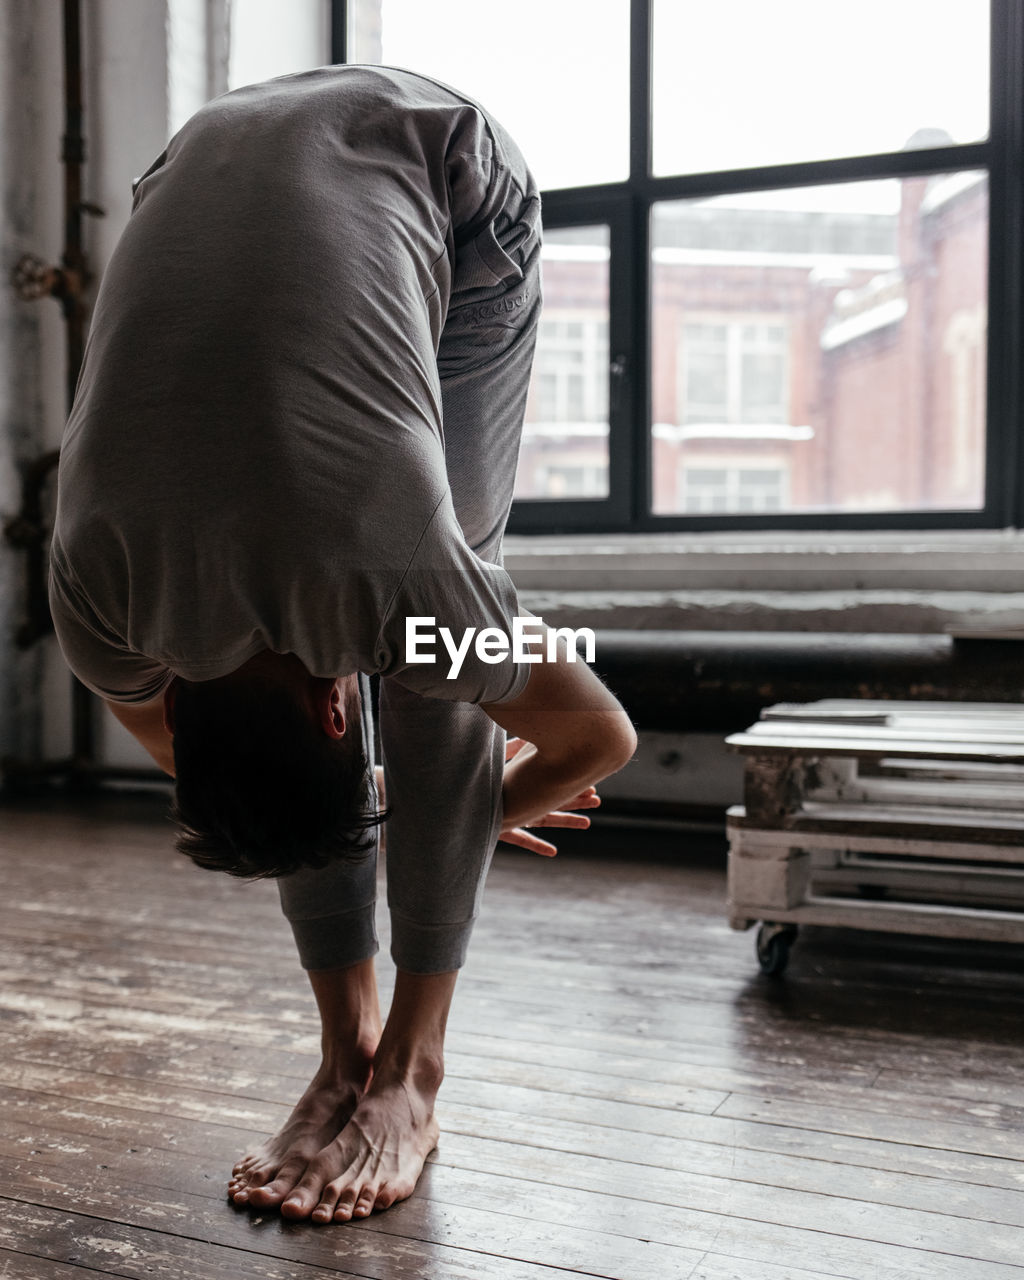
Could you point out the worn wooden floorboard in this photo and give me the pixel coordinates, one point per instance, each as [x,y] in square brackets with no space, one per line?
[545,1144]
[900,1120]
[774,1047]
[20,1266]
[626,1097]
[566,1156]
[586,1224]
[23,1067]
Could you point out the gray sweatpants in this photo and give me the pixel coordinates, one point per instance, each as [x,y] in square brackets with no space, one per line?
[443,761]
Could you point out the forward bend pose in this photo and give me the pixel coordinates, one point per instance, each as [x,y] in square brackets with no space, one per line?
[297,427]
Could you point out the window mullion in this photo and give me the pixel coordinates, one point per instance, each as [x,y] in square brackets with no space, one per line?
[1004,482]
[640,106]
[339,31]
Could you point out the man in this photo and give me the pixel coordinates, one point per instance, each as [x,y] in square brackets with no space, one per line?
[297,429]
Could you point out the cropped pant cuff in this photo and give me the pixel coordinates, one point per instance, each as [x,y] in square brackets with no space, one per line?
[336,941]
[429,948]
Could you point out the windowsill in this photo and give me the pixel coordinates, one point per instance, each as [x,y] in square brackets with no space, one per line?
[927,581]
[954,560]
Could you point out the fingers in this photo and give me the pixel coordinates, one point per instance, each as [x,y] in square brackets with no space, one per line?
[562,820]
[585,800]
[513,746]
[526,840]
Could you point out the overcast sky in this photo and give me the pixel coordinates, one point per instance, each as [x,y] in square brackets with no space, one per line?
[737,82]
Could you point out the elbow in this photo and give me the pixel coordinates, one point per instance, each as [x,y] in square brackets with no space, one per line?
[629,745]
[618,745]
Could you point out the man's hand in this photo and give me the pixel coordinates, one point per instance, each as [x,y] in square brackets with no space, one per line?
[575,733]
[520,835]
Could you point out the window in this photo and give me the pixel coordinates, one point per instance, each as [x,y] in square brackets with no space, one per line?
[565,437]
[733,488]
[733,371]
[572,480]
[268,39]
[865,347]
[783,287]
[542,61]
[570,366]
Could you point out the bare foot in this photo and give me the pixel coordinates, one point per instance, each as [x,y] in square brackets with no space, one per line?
[373,1162]
[320,1115]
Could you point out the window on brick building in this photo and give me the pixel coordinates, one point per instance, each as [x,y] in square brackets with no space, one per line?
[573,480]
[570,366]
[564,454]
[780,289]
[733,488]
[733,370]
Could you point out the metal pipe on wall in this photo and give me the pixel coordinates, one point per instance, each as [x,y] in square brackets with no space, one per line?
[719,681]
[75,273]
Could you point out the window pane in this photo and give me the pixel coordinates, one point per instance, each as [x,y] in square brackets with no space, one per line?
[270,39]
[556,76]
[822,349]
[743,83]
[565,439]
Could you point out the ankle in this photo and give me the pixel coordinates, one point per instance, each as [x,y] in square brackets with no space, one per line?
[414,1067]
[347,1063]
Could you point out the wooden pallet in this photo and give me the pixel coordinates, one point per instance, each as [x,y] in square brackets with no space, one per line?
[900,816]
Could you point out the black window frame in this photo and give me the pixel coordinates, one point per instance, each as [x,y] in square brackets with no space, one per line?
[625,208]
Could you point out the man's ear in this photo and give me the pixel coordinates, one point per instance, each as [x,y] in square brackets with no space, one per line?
[331,709]
[170,693]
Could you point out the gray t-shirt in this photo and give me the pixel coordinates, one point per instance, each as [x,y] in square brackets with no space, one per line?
[255,459]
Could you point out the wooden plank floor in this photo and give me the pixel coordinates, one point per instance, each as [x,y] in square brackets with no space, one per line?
[626,1096]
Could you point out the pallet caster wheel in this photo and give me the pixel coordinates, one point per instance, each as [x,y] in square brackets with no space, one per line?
[774,942]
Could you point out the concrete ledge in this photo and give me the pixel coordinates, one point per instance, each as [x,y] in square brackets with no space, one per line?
[965,560]
[845,611]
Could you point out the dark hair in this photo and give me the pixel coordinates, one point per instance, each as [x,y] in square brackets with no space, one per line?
[260,790]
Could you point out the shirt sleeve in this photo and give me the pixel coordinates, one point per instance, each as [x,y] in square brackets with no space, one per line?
[98,658]
[442,633]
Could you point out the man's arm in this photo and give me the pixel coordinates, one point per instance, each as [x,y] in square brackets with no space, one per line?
[577,733]
[146,721]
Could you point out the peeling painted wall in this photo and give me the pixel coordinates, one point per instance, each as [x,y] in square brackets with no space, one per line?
[146,65]
[125,62]
[31,359]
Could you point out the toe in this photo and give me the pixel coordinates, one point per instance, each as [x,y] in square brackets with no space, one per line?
[364,1203]
[304,1195]
[346,1203]
[299,1203]
[324,1211]
[273,1193]
[240,1188]
[266,1197]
